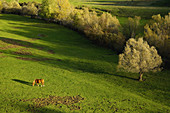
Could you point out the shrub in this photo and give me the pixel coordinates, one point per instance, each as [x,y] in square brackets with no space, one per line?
[131,27]
[104,29]
[139,57]
[45,10]
[1,6]
[158,34]
[11,7]
[30,9]
[60,9]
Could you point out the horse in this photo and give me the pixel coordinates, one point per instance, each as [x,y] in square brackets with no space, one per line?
[38,81]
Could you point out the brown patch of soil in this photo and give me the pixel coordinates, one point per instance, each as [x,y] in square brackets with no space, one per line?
[16,43]
[17,27]
[69,101]
[35,39]
[22,53]
[42,35]
[32,39]
[22,58]
[37,59]
[51,52]
[8,47]
[3,48]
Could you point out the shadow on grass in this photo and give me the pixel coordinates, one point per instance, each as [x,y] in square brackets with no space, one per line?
[61,42]
[122,3]
[22,82]
[125,77]
[29,108]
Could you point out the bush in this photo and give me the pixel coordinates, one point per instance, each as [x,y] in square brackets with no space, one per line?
[104,29]
[45,11]
[139,57]
[11,7]
[60,9]
[131,27]
[1,6]
[30,9]
[158,34]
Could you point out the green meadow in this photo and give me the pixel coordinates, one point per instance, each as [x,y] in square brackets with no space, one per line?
[79,76]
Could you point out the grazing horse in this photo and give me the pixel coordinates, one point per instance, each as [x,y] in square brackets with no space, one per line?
[38,81]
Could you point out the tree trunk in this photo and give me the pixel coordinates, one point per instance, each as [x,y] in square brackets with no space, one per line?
[140,77]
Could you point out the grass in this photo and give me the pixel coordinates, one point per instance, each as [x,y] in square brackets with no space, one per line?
[145,12]
[72,68]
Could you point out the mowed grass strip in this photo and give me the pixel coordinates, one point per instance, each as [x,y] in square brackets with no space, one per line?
[71,67]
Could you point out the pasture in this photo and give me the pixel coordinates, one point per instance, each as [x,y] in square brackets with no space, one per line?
[79,76]
[125,8]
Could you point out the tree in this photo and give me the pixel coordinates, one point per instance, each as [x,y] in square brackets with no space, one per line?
[139,57]
[158,33]
[30,9]
[61,9]
[11,7]
[45,11]
[1,6]
[131,27]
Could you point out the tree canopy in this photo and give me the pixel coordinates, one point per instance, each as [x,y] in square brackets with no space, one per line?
[139,57]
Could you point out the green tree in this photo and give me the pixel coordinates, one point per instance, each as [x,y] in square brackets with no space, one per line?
[61,9]
[131,27]
[139,57]
[158,33]
[45,10]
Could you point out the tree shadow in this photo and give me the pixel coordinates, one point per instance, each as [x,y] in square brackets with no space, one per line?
[23,82]
[30,108]
[122,3]
[125,77]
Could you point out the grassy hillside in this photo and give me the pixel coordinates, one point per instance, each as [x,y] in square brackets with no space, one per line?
[79,76]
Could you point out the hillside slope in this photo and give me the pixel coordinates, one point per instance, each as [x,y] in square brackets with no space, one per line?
[73,69]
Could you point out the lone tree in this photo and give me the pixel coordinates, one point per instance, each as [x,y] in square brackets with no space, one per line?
[139,57]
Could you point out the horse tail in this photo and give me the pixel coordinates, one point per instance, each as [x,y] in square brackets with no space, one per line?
[33,83]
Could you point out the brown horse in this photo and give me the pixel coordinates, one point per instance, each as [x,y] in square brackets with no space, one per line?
[38,81]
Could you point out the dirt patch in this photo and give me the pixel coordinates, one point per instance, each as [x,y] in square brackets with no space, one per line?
[32,39]
[42,35]
[22,58]
[51,52]
[37,59]
[17,27]
[16,43]
[22,53]
[69,101]
[8,47]
[35,39]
